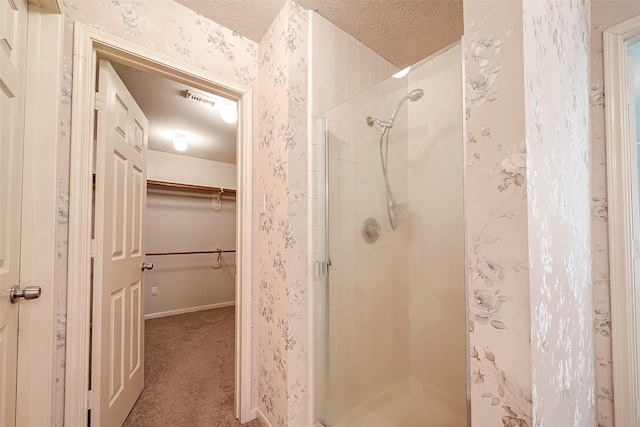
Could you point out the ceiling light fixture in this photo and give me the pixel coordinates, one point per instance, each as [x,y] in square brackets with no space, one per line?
[228,109]
[180,142]
[400,74]
[229,112]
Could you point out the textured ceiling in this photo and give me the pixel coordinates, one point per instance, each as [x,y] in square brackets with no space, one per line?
[169,112]
[249,18]
[403,32]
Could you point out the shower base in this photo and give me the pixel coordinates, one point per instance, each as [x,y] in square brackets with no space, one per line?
[409,403]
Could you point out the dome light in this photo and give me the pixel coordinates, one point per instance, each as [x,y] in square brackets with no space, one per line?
[180,142]
[229,112]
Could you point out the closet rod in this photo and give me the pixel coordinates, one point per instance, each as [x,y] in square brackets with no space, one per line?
[217,251]
[191,187]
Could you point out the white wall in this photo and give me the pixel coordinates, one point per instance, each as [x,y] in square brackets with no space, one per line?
[189,170]
[181,220]
[436,253]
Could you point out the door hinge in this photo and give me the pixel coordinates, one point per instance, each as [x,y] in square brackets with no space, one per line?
[96,248]
[92,400]
[98,102]
[321,269]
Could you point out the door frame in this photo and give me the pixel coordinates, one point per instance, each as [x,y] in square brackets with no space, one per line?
[37,319]
[89,45]
[620,183]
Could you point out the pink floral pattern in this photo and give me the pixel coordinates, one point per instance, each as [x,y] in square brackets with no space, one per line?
[281,241]
[166,27]
[496,215]
[497,277]
[520,285]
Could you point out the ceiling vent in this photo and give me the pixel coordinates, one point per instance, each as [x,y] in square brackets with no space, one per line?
[200,97]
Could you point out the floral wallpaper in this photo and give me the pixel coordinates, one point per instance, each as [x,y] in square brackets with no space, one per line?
[529,294]
[556,42]
[604,14]
[496,215]
[166,27]
[281,240]
[495,191]
[502,57]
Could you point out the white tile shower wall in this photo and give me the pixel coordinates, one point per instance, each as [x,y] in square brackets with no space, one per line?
[341,67]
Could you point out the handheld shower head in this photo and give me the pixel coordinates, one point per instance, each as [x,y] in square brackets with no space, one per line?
[415,94]
[412,96]
[385,128]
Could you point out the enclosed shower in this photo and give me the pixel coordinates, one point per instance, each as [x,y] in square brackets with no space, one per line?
[390,328]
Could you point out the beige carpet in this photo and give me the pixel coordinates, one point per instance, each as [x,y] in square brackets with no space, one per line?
[189,377]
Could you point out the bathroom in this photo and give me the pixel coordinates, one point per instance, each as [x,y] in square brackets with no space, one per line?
[511,353]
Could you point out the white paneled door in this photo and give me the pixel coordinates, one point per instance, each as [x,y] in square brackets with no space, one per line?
[120,200]
[13,48]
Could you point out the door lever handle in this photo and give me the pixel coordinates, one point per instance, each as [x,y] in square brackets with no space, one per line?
[146,266]
[30,292]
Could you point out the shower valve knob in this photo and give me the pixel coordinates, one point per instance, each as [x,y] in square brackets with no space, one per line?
[371,230]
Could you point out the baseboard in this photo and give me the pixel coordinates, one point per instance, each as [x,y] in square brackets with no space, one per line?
[263,420]
[188,310]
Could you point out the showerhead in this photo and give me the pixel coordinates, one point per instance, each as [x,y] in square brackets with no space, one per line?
[415,94]
[412,96]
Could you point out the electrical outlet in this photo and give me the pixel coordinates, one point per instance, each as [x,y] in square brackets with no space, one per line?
[154,291]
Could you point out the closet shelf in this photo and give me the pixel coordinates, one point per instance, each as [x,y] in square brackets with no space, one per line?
[220,190]
[217,251]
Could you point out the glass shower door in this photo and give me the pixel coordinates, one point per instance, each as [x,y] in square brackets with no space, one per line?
[382,356]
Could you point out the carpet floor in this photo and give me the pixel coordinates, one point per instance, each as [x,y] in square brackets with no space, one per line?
[189,379]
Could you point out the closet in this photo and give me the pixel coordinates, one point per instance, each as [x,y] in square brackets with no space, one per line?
[190,220]
[190,235]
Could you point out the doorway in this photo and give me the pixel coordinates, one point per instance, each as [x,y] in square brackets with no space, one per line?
[188,242]
[621,67]
[92,45]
